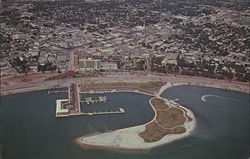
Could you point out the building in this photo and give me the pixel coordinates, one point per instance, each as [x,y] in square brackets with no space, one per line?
[61,58]
[89,64]
[76,61]
[33,67]
[171,58]
[107,66]
[59,110]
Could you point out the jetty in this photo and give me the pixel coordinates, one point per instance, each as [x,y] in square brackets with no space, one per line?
[89,100]
[70,106]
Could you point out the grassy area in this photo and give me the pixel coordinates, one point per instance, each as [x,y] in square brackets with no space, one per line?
[170,118]
[155,133]
[145,85]
[61,76]
[159,104]
[87,74]
[170,121]
[78,75]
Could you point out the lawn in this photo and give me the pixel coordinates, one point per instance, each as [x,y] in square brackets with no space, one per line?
[78,75]
[145,85]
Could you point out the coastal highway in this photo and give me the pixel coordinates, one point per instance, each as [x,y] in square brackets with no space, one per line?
[16,85]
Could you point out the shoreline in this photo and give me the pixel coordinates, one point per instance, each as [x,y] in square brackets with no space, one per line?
[31,89]
[166,139]
[129,139]
[15,88]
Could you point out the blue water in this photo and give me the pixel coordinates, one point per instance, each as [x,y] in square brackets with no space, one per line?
[31,131]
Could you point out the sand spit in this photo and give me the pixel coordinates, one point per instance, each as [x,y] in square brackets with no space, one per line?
[129,139]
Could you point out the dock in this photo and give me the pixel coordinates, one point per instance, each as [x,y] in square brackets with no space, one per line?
[98,91]
[71,106]
[89,100]
[56,91]
[119,111]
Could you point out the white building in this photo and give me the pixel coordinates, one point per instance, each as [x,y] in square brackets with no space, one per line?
[89,64]
[109,66]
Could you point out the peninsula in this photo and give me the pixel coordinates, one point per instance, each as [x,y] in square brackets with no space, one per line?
[171,122]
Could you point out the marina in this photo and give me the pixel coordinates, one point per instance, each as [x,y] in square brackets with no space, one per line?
[71,106]
[89,100]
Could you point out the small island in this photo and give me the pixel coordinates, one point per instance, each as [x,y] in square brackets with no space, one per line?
[171,122]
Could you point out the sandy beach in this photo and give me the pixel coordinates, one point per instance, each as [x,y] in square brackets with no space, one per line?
[129,138]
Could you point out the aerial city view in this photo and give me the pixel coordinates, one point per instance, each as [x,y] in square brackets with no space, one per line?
[127,79]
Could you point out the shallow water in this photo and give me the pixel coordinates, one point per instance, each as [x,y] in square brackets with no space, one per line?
[31,131]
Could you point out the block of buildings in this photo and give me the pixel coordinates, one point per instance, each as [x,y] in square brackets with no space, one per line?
[89,64]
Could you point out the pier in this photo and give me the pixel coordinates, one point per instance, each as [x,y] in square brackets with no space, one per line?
[119,111]
[98,91]
[89,100]
[71,106]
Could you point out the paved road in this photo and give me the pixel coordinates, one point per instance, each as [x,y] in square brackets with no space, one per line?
[35,84]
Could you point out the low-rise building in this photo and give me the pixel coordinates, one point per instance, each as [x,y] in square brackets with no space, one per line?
[109,66]
[89,64]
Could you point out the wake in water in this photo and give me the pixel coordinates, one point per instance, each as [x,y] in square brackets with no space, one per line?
[185,146]
[204,98]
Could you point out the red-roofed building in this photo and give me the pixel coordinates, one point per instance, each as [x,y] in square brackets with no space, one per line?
[70,73]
